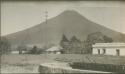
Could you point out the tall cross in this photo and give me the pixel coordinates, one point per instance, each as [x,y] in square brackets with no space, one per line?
[46,15]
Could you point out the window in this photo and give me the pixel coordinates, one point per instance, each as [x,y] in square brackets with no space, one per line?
[104,51]
[98,51]
[117,52]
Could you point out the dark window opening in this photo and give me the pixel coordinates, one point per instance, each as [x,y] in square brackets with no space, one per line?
[98,51]
[104,51]
[117,52]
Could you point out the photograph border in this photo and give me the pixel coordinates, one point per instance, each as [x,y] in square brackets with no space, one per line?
[40,0]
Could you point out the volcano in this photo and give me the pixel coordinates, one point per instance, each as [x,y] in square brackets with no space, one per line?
[69,23]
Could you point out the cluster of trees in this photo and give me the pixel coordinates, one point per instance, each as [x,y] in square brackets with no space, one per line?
[33,50]
[74,45]
[5,48]
[70,46]
[96,37]
[36,50]
[4,45]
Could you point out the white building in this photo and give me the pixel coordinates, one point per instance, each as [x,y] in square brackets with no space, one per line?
[109,49]
[54,50]
[15,52]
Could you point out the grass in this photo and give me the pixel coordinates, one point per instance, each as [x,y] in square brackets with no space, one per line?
[103,59]
[15,63]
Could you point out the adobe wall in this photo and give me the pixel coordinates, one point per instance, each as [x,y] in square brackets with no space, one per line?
[61,68]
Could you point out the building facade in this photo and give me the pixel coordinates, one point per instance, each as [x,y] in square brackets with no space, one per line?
[54,50]
[117,49]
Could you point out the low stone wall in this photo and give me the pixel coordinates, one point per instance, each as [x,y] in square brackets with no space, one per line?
[62,68]
[99,67]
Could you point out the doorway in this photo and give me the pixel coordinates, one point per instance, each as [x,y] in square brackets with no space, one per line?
[117,52]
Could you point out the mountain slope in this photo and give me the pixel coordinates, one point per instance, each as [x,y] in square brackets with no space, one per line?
[69,23]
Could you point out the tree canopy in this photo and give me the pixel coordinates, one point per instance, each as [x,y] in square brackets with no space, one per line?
[74,39]
[4,45]
[64,38]
[107,39]
[98,37]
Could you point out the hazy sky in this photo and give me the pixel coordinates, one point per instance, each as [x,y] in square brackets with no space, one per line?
[17,16]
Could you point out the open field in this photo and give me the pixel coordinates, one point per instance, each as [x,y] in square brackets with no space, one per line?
[15,63]
[24,63]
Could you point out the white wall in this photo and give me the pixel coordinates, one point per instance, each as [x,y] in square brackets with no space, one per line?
[15,52]
[122,52]
[110,51]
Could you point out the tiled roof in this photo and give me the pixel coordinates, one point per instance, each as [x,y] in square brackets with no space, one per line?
[54,48]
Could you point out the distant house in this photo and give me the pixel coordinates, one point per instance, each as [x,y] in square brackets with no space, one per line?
[18,52]
[109,49]
[54,50]
[15,52]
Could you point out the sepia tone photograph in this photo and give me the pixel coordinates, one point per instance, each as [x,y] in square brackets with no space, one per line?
[62,37]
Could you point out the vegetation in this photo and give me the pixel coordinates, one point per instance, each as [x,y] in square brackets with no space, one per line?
[64,41]
[96,37]
[21,48]
[5,45]
[29,63]
[35,50]
[74,39]
[71,46]
[74,45]
[107,39]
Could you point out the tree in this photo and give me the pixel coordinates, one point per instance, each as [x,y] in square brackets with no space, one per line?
[33,50]
[74,39]
[21,48]
[96,37]
[93,38]
[4,45]
[64,38]
[63,41]
[107,39]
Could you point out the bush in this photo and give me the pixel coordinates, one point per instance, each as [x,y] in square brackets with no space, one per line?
[5,45]
[35,50]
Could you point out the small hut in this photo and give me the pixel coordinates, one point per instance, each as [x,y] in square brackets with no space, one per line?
[54,50]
